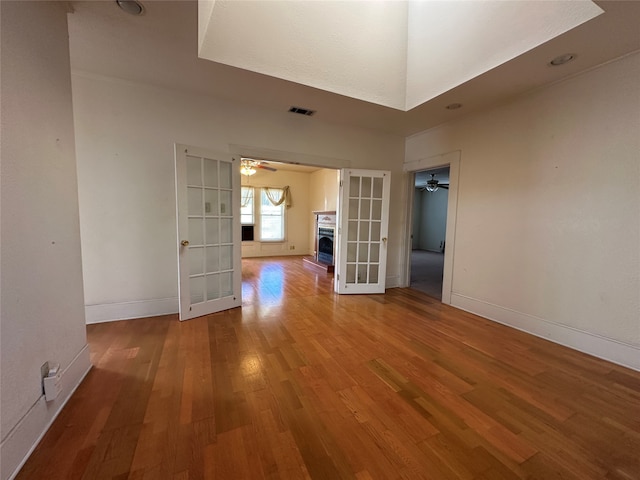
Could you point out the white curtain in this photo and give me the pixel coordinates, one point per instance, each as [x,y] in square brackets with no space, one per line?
[247,195]
[278,196]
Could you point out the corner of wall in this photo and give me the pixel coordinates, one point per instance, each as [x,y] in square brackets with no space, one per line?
[25,436]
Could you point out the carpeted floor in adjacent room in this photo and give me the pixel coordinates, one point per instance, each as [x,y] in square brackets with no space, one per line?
[426,272]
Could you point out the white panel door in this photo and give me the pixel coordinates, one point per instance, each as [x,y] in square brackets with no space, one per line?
[363,214]
[208,217]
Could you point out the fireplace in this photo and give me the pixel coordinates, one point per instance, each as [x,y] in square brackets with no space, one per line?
[325,244]
[325,237]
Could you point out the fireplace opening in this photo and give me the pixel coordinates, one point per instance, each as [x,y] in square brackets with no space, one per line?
[325,245]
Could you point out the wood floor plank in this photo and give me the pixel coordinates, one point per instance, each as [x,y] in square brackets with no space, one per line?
[301,383]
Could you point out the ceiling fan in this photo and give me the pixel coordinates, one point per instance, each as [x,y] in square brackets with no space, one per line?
[432,185]
[249,166]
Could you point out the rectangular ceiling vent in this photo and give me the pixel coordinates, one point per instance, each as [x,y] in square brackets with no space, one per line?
[302,111]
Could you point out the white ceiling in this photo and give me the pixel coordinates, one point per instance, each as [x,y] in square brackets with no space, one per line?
[357,49]
[395,54]
[160,48]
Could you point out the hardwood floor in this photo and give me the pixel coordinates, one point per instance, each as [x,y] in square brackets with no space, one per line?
[302,383]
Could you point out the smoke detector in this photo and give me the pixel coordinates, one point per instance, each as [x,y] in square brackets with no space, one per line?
[132,7]
[562,59]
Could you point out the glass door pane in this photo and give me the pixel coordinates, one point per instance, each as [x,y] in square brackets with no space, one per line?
[210,211]
[359,234]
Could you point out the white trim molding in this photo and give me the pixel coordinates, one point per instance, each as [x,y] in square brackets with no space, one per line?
[25,436]
[392,281]
[614,351]
[111,312]
[453,160]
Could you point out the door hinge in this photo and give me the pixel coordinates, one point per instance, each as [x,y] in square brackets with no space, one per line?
[338,276]
[341,182]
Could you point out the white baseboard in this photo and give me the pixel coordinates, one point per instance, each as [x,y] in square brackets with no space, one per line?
[110,312]
[25,436]
[392,281]
[265,252]
[602,347]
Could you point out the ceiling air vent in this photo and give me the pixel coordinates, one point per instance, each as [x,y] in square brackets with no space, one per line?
[302,111]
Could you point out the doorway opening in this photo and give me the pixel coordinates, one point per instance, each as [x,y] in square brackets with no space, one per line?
[361,205]
[297,238]
[285,226]
[429,227]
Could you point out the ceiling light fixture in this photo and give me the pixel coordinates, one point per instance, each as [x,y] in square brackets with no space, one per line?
[248,167]
[132,7]
[562,59]
[432,185]
[453,106]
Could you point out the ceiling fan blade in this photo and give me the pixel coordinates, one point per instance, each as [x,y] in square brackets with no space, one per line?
[443,185]
[264,167]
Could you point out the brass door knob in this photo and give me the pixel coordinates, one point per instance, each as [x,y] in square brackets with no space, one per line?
[184,243]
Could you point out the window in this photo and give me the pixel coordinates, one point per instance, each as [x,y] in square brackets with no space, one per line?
[246,207]
[267,217]
[271,216]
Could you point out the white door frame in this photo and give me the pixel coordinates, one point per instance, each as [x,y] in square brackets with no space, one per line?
[453,160]
[296,158]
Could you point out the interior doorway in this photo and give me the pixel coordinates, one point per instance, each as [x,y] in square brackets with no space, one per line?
[287,227]
[428,230]
[310,189]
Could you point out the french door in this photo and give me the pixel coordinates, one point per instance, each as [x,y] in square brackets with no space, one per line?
[363,214]
[208,225]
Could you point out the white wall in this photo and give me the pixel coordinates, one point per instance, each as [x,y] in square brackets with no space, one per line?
[323,196]
[416,219]
[324,189]
[432,219]
[548,216]
[124,143]
[296,217]
[41,272]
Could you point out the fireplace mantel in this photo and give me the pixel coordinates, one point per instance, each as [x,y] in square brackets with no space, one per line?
[325,216]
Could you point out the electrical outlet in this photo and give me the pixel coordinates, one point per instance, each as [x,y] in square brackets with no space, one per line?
[292,247]
[51,380]
[52,386]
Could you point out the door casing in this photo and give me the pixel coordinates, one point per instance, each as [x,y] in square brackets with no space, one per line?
[453,160]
